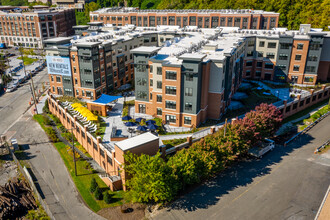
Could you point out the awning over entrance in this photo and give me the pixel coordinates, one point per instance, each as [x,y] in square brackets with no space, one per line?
[105,99]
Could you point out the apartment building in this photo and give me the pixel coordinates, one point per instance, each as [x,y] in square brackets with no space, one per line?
[205,18]
[97,63]
[31,28]
[190,80]
[281,55]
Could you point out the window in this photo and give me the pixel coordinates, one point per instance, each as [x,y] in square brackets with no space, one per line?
[159,71]
[151,69]
[150,96]
[283,57]
[282,67]
[141,95]
[170,104]
[284,46]
[159,98]
[151,82]
[314,45]
[189,77]
[269,66]
[187,120]
[171,75]
[259,64]
[300,46]
[258,73]
[298,57]
[73,58]
[310,69]
[249,53]
[312,58]
[270,55]
[188,92]
[52,78]
[271,45]
[159,111]
[170,90]
[296,68]
[58,79]
[261,43]
[171,118]
[248,63]
[188,106]
[308,79]
[248,73]
[141,82]
[260,54]
[159,84]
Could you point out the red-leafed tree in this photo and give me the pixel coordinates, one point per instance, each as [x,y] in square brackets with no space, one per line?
[266,118]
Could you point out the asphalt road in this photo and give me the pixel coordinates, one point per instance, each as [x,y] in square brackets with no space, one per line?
[288,183]
[14,104]
[55,182]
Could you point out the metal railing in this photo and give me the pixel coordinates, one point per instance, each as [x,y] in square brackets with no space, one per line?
[307,128]
[322,146]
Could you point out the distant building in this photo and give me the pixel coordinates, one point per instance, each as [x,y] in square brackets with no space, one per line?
[29,28]
[202,18]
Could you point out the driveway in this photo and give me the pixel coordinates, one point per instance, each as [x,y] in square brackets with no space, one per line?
[288,183]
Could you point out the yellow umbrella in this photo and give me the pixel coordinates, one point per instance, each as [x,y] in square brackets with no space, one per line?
[76,105]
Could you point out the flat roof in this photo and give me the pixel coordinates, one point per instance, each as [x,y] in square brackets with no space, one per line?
[192,56]
[136,141]
[145,49]
[57,39]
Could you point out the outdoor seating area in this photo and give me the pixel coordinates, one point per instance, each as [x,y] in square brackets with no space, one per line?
[85,116]
[139,125]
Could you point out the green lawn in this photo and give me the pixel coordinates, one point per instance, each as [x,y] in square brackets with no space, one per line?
[83,180]
[84,177]
[27,60]
[174,142]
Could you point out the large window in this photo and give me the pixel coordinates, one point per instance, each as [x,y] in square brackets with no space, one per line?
[300,46]
[298,57]
[296,67]
[189,77]
[285,45]
[271,45]
[170,104]
[309,79]
[314,45]
[159,111]
[269,66]
[310,69]
[188,106]
[159,71]
[187,120]
[312,58]
[170,90]
[159,98]
[283,57]
[270,55]
[171,118]
[261,43]
[188,92]
[141,82]
[141,95]
[171,75]
[159,84]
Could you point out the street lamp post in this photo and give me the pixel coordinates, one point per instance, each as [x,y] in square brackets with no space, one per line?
[74,152]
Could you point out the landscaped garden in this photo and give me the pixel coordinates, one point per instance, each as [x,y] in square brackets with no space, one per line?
[27,60]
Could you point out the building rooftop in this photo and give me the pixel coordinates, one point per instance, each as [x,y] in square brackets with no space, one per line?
[144,49]
[57,39]
[183,11]
[136,141]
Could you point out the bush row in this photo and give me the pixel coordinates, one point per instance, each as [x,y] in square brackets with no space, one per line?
[156,180]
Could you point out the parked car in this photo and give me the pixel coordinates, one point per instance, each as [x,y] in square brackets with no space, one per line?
[262,148]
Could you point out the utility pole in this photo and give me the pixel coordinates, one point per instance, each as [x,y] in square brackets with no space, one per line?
[32,89]
[74,153]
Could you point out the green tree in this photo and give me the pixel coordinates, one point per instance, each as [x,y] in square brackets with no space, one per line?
[98,193]
[152,180]
[93,186]
[107,197]
[92,6]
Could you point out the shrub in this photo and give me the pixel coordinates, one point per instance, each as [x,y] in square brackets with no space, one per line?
[56,120]
[45,109]
[98,193]
[51,134]
[107,197]
[46,120]
[93,186]
[68,136]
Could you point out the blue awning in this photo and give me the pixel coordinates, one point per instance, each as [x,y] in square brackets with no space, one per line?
[105,99]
